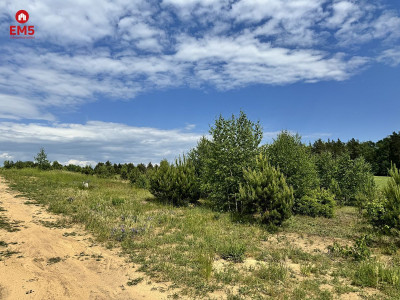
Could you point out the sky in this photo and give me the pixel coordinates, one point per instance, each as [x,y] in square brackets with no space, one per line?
[139,81]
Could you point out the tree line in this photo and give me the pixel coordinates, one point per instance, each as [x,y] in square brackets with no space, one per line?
[380,155]
[232,171]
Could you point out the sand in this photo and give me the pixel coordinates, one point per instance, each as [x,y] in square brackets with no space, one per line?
[86,270]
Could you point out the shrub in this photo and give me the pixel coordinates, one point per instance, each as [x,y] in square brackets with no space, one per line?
[233,250]
[360,250]
[353,176]
[320,202]
[8,164]
[124,172]
[266,193]
[327,169]
[177,184]
[103,171]
[383,210]
[295,161]
[139,179]
[142,181]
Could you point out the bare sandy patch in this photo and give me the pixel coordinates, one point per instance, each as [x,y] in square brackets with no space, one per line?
[63,263]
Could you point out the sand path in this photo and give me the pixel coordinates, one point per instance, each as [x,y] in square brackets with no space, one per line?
[86,270]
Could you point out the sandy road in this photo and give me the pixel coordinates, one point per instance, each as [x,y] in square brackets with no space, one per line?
[86,270]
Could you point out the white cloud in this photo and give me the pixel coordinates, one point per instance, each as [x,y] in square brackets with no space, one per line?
[81,163]
[390,57]
[5,156]
[94,141]
[14,107]
[116,50]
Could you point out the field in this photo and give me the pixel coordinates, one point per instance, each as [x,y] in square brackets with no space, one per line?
[380,181]
[208,254]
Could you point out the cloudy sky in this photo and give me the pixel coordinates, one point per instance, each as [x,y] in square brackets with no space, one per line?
[134,81]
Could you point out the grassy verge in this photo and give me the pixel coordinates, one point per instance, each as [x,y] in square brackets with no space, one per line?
[205,253]
[380,181]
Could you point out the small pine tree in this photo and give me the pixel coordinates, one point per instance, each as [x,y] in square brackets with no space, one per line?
[266,193]
[177,183]
[41,160]
[160,182]
[392,194]
[383,209]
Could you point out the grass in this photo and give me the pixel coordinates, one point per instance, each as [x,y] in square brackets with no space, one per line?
[5,223]
[381,181]
[201,252]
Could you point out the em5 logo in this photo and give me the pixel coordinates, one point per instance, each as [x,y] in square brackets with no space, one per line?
[22,32]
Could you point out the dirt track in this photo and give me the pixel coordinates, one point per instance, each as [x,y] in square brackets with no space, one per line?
[86,270]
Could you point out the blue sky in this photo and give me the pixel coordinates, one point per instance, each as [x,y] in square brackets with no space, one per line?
[142,80]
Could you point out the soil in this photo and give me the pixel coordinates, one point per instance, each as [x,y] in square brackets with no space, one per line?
[62,263]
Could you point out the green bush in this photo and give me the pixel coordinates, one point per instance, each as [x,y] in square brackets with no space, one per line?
[176,184]
[319,202]
[360,250]
[295,161]
[383,210]
[233,250]
[233,148]
[265,193]
[327,168]
[353,176]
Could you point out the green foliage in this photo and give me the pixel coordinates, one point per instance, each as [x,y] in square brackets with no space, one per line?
[233,250]
[124,172]
[117,201]
[41,160]
[103,171]
[176,183]
[360,250]
[295,161]
[374,274]
[56,165]
[139,179]
[353,176]
[273,272]
[327,169]
[233,148]
[8,164]
[265,193]
[383,209]
[319,202]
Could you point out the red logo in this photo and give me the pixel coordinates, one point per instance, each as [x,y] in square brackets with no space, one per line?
[22,16]
[22,32]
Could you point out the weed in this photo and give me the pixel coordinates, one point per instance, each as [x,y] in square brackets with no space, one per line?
[54,260]
[375,274]
[66,234]
[232,250]
[3,244]
[358,252]
[117,201]
[62,223]
[272,272]
[7,253]
[134,281]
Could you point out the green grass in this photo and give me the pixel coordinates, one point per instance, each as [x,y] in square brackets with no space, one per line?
[381,181]
[201,251]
